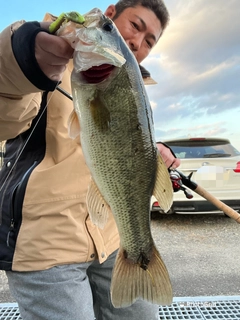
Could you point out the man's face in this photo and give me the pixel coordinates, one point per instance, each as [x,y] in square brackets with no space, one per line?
[139,27]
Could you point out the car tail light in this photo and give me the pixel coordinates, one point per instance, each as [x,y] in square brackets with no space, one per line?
[155,204]
[237,168]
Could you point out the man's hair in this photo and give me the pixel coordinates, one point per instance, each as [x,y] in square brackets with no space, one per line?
[157,6]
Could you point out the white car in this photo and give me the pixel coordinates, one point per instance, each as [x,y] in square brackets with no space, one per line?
[215,165]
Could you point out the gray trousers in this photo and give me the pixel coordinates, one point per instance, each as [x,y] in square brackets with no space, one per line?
[73,292]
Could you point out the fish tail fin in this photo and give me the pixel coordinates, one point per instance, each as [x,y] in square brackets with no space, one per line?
[130,282]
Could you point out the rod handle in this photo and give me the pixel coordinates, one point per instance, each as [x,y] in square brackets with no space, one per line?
[219,204]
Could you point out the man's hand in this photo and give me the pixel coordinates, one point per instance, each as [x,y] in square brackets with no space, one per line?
[169,159]
[52,54]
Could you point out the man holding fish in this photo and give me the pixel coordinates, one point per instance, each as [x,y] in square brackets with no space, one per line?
[59,261]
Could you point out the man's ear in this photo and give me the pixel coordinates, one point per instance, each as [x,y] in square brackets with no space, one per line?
[111,11]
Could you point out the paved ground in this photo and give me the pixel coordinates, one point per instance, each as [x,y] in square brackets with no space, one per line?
[201,252]
[4,292]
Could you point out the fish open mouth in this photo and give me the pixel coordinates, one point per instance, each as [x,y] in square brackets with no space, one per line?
[97,74]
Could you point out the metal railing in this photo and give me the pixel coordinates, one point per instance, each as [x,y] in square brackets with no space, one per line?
[187,308]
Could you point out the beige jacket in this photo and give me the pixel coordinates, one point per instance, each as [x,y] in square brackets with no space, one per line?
[55,228]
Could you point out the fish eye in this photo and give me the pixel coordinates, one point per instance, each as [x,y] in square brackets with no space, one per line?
[108,26]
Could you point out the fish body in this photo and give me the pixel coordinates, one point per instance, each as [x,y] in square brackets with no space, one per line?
[118,143]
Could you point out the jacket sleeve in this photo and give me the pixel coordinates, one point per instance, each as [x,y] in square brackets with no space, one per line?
[21,80]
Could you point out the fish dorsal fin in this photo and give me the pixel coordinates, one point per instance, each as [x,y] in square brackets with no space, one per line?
[163,189]
[73,125]
[98,208]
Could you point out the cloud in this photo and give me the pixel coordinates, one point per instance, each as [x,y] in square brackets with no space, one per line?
[209,130]
[197,66]
[199,29]
[153,105]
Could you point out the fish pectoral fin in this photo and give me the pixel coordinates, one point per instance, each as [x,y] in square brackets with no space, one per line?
[163,189]
[98,208]
[73,125]
[131,282]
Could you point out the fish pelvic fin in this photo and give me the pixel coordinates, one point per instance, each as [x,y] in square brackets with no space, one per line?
[98,208]
[130,282]
[163,189]
[73,125]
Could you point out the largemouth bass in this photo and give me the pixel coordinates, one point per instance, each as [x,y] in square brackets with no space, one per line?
[117,138]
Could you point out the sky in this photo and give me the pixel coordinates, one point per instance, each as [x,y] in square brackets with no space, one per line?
[196,64]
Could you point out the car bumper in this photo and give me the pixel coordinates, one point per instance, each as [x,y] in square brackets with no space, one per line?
[198,206]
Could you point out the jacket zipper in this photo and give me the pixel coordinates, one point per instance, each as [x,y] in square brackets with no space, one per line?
[17,196]
[11,228]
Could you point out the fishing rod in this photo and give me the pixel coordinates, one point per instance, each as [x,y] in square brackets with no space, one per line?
[179,181]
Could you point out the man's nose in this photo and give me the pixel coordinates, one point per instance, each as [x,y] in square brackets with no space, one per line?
[135,43]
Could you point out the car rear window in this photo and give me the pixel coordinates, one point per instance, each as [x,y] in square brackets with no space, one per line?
[202,149]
